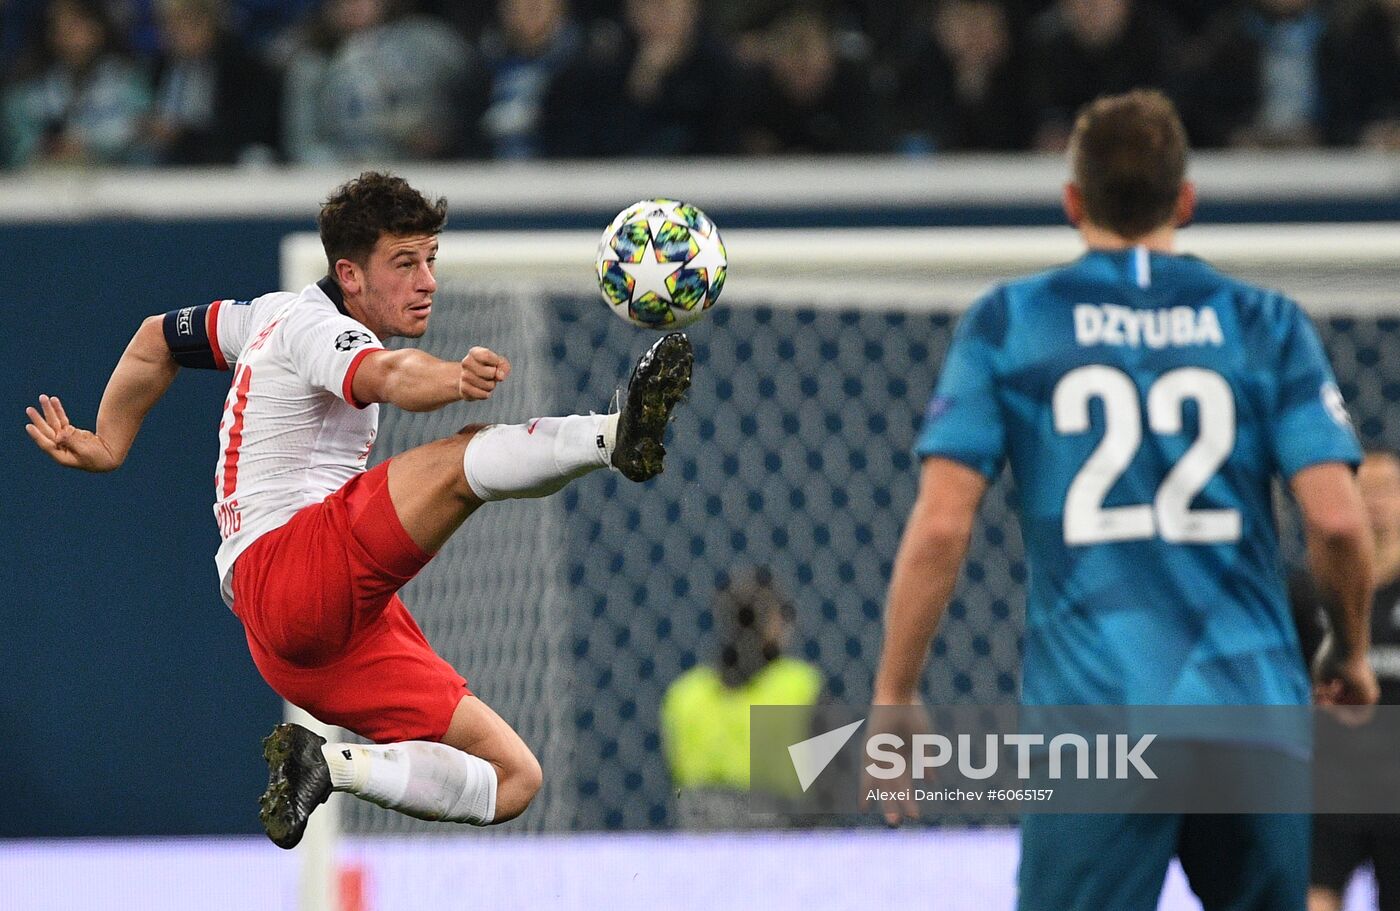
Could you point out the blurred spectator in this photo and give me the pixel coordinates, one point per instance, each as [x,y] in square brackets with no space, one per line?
[214,102]
[257,23]
[744,25]
[705,711]
[17,28]
[1261,77]
[473,19]
[365,79]
[963,88]
[1342,843]
[662,86]
[1367,77]
[261,24]
[81,100]
[812,99]
[533,40]
[1080,49]
[373,83]
[135,25]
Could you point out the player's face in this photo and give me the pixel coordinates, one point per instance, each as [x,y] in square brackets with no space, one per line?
[1379,479]
[399,285]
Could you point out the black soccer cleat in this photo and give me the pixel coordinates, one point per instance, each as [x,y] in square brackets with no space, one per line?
[298,781]
[659,382]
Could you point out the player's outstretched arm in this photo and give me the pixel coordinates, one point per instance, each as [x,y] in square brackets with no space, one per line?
[925,572]
[416,381]
[1341,556]
[145,371]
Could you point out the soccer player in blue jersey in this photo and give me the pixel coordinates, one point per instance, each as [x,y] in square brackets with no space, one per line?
[1144,402]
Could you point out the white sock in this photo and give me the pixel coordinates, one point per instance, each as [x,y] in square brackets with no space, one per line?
[535,459]
[418,778]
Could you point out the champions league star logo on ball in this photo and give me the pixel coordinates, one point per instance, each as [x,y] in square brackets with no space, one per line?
[661,264]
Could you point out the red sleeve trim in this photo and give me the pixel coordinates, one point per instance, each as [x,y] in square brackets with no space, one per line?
[212,326]
[348,384]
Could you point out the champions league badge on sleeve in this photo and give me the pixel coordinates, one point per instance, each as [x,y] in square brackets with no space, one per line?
[351,339]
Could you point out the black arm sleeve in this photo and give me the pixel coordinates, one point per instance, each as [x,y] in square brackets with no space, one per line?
[187,334]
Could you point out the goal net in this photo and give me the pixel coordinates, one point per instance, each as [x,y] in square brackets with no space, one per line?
[571,614]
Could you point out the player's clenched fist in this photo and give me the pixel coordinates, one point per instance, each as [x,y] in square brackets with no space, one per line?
[482,369]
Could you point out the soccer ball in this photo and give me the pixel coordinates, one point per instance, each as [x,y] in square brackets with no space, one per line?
[661,264]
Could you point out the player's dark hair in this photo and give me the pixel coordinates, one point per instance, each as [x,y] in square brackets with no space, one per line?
[1128,157]
[372,205]
[745,613]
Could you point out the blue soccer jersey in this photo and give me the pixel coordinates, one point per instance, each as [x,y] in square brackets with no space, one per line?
[1144,402]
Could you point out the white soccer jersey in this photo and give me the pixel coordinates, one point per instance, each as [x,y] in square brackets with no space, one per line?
[291,432]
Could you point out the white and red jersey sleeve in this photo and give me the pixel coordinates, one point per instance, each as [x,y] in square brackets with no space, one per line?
[211,336]
[325,351]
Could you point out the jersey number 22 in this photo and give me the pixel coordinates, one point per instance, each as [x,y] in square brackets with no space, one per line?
[1169,515]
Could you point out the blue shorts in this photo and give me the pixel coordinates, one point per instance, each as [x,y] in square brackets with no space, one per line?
[1119,862]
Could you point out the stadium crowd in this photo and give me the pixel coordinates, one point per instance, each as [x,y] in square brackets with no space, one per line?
[190,82]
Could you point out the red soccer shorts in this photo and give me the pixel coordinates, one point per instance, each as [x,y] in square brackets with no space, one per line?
[319,604]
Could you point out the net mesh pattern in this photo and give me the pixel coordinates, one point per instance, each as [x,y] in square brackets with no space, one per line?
[570,615]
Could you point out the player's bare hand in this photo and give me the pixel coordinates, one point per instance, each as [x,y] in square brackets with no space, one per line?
[1356,684]
[69,446]
[482,371]
[1344,684]
[902,722]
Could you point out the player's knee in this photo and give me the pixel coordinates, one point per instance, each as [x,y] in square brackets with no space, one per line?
[444,465]
[458,444]
[520,781]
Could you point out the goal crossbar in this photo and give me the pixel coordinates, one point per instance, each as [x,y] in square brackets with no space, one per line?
[1329,268]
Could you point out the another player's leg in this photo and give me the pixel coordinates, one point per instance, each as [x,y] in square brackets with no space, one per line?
[1385,858]
[1337,850]
[1247,861]
[435,487]
[1099,861]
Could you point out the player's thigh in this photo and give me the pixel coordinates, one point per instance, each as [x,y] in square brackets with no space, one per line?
[1247,862]
[428,487]
[1092,862]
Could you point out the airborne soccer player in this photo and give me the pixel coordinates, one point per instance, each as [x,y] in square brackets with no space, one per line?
[1144,402]
[315,548]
